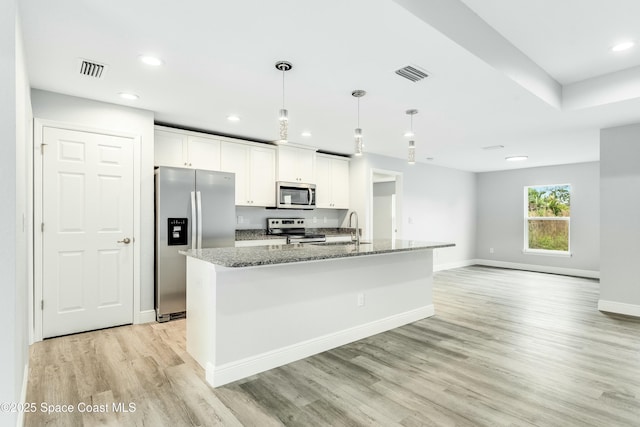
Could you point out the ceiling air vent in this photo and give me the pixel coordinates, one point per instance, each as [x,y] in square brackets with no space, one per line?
[92,69]
[412,73]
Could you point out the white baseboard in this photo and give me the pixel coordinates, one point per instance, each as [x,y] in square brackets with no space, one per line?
[540,268]
[146,316]
[228,372]
[619,308]
[456,264]
[23,395]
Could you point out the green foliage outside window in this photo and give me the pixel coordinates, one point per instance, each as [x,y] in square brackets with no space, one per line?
[543,204]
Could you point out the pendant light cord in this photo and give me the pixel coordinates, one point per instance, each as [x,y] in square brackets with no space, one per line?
[283,88]
[358,112]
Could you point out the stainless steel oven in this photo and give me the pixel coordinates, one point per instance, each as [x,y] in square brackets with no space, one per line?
[295,195]
[294,229]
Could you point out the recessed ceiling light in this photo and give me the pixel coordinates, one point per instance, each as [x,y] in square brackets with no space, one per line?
[306,134]
[623,46]
[516,158]
[409,134]
[430,159]
[233,118]
[493,147]
[129,96]
[151,60]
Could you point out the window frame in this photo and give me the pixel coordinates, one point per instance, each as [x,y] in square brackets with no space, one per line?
[527,218]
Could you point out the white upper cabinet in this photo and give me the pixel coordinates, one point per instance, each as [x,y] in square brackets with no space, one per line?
[203,153]
[332,182]
[255,170]
[169,149]
[180,149]
[296,164]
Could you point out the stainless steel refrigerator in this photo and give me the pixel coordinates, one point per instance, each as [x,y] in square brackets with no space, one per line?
[194,209]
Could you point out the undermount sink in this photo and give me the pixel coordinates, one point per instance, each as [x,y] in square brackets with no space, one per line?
[343,243]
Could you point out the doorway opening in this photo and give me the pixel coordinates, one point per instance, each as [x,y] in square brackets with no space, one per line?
[385,204]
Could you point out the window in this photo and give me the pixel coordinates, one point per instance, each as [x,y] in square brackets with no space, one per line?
[547,218]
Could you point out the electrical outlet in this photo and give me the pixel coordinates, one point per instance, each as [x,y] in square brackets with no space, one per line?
[325,219]
[240,219]
[490,250]
[315,219]
[360,300]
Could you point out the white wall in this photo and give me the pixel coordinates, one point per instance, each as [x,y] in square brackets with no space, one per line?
[500,220]
[438,204]
[14,169]
[100,115]
[620,219]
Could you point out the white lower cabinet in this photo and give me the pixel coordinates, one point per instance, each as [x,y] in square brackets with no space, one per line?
[263,242]
[332,182]
[340,238]
[255,169]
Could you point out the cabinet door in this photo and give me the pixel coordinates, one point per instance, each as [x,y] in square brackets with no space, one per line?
[323,182]
[296,164]
[204,153]
[340,183]
[287,168]
[306,162]
[263,177]
[170,149]
[235,158]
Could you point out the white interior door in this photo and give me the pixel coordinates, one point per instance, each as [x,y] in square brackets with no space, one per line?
[87,212]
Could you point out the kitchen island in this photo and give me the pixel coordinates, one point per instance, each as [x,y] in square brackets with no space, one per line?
[250,309]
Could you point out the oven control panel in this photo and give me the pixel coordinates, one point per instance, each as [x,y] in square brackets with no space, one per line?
[280,225]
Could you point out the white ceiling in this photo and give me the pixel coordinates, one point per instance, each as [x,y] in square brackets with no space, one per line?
[536,77]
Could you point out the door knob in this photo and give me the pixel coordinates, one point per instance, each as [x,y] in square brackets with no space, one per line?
[126,241]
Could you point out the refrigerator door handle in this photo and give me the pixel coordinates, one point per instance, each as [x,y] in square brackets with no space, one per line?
[199,216]
[194,231]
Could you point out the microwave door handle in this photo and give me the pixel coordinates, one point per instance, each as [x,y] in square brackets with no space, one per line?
[310,197]
[193,220]
[199,207]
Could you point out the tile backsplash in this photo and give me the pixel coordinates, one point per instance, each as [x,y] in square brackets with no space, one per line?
[251,218]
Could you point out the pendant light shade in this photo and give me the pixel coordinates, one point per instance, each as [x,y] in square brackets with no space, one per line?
[359,144]
[411,157]
[412,153]
[283,116]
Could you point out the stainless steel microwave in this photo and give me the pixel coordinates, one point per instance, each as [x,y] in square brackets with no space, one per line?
[295,195]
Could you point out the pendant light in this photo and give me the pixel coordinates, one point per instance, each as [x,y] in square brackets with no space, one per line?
[283,116]
[412,144]
[358,132]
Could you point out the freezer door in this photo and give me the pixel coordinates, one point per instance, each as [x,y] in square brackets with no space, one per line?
[216,195]
[174,188]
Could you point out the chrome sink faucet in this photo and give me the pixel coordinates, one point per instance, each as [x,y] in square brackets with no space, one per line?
[355,236]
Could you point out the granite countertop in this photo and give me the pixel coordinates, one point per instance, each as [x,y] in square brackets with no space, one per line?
[261,234]
[281,254]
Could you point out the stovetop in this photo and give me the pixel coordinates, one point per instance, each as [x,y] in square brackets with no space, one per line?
[293,228]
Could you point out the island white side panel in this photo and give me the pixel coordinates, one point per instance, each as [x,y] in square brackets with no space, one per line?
[201,286]
[268,316]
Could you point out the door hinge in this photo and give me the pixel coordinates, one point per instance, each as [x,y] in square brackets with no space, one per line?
[42,148]
[41,304]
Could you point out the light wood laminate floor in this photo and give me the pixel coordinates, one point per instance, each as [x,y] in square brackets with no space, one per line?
[505,348]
